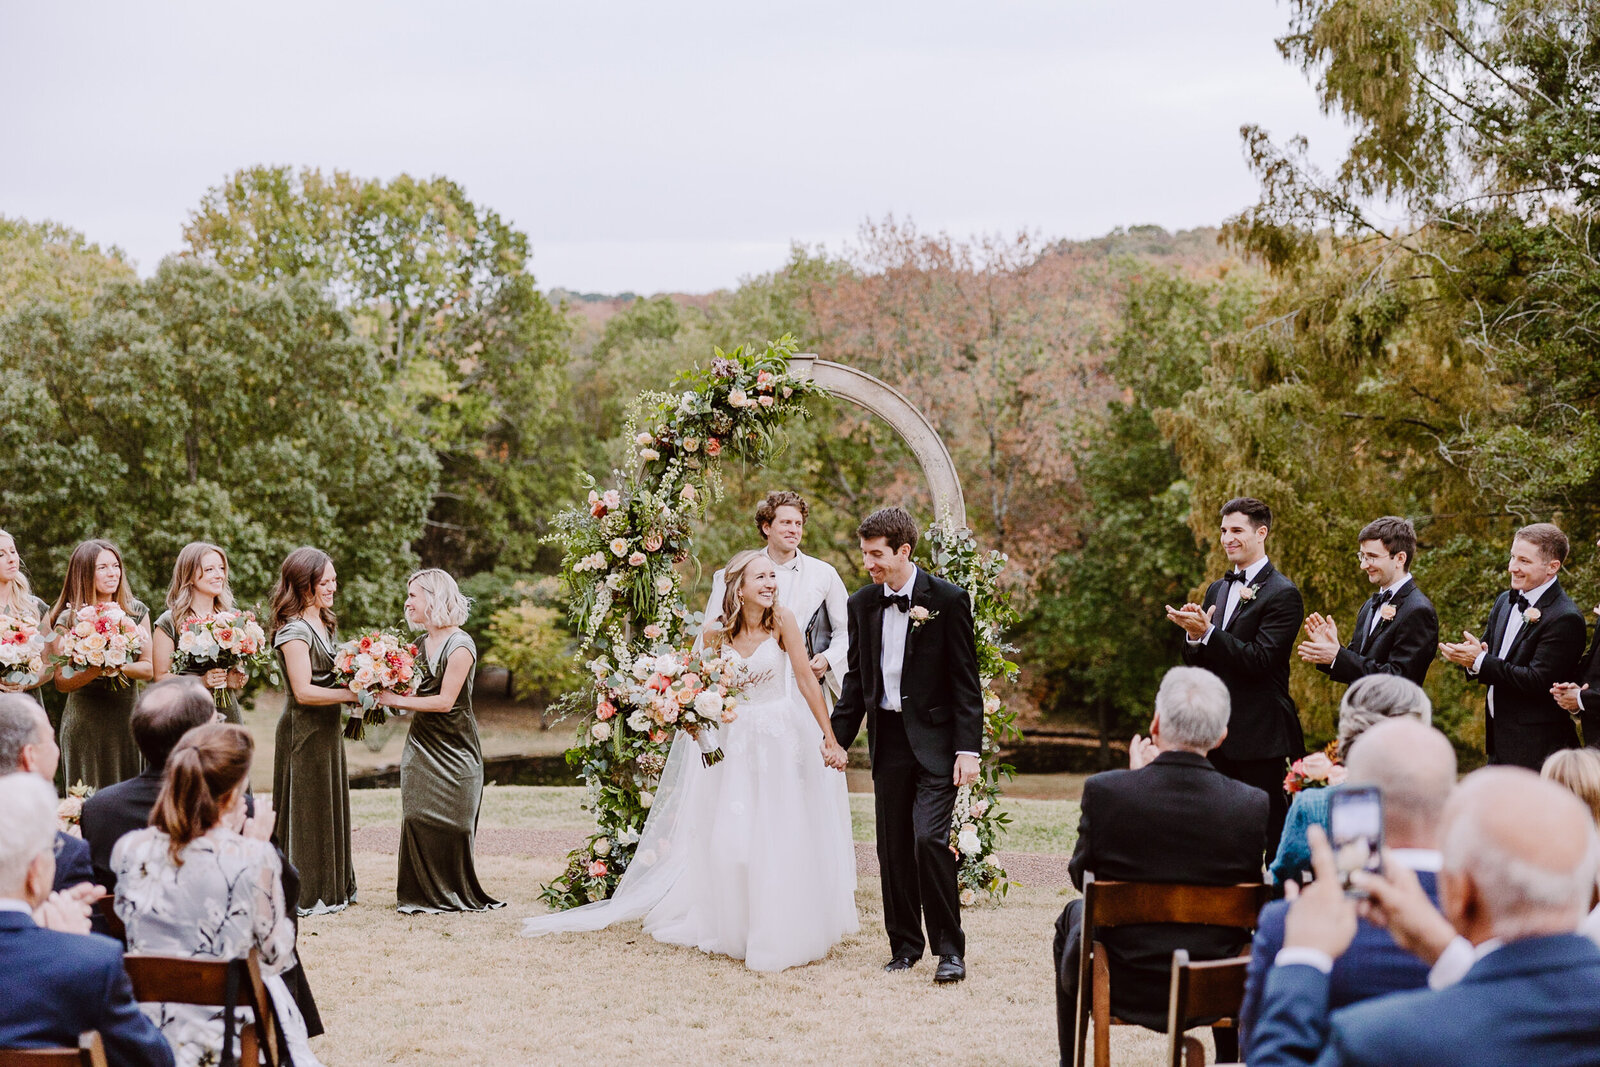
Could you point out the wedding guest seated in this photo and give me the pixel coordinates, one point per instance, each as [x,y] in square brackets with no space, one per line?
[56,983]
[166,711]
[1415,768]
[1369,701]
[27,743]
[1578,770]
[1520,858]
[1172,817]
[203,881]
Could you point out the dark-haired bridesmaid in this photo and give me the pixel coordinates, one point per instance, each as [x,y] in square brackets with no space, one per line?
[199,588]
[310,782]
[441,770]
[17,600]
[97,746]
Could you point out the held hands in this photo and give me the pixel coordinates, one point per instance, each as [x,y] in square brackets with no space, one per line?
[819,666]
[966,770]
[1463,653]
[832,754]
[1194,619]
[1566,694]
[65,912]
[1322,644]
[1141,750]
[1321,917]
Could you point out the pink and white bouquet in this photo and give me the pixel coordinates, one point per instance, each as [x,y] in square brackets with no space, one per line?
[21,651]
[661,692]
[1316,771]
[69,812]
[375,662]
[226,640]
[98,635]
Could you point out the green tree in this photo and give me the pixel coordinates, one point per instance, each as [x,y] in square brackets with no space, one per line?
[195,406]
[47,261]
[473,352]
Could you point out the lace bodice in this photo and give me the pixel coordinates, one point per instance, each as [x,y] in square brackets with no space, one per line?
[770,665]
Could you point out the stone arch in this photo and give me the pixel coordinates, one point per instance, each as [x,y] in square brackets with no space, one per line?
[890,405]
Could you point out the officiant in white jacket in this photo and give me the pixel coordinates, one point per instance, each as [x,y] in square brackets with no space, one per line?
[807,586]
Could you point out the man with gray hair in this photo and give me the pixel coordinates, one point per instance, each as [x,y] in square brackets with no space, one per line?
[1520,857]
[53,984]
[1171,817]
[27,743]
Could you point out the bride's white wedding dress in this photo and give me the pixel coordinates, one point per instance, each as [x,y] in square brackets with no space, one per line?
[750,858]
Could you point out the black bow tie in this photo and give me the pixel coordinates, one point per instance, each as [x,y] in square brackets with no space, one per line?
[1233,576]
[903,602]
[1380,599]
[1519,602]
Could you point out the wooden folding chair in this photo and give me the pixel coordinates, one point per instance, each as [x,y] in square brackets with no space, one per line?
[106,908]
[91,1052]
[1108,904]
[180,980]
[1211,989]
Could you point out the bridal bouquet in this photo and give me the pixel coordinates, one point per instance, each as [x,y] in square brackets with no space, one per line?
[21,651]
[675,690]
[98,635]
[230,640]
[69,812]
[380,661]
[1316,771]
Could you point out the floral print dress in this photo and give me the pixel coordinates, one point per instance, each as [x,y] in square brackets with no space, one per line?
[224,899]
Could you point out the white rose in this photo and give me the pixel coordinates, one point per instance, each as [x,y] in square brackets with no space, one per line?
[967,841]
[709,704]
[738,398]
[600,731]
[663,585]
[649,455]
[602,846]
[639,722]
[644,440]
[968,898]
[646,798]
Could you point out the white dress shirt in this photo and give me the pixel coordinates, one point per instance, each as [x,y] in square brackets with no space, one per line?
[1513,626]
[805,583]
[1231,604]
[13,904]
[1392,588]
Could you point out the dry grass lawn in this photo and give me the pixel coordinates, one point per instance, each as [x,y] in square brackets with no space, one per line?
[465,989]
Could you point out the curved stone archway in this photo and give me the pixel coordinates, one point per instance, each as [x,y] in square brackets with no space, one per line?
[890,405]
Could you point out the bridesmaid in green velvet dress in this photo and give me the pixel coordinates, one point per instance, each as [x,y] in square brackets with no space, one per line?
[441,770]
[310,783]
[199,588]
[17,600]
[97,746]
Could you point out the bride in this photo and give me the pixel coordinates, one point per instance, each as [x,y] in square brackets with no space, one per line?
[751,857]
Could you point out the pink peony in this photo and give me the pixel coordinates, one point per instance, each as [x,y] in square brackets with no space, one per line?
[597,869]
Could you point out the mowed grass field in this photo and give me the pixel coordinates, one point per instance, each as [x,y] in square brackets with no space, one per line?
[466,989]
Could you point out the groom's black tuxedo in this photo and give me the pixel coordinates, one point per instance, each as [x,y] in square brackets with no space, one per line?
[1527,724]
[1405,645]
[913,753]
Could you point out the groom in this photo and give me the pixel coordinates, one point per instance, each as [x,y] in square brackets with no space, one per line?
[913,674]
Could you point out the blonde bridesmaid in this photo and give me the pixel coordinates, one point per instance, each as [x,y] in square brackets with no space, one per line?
[199,588]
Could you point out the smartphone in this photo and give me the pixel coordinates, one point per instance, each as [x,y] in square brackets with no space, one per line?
[1355,830]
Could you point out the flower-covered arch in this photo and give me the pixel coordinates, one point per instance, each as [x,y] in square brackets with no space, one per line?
[622,551]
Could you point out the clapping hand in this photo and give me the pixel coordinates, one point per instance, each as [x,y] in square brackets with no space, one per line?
[1463,653]
[1566,694]
[1141,750]
[1322,645]
[259,825]
[1194,619]
[64,912]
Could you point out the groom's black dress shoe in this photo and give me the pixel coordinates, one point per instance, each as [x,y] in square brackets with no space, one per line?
[898,964]
[951,969]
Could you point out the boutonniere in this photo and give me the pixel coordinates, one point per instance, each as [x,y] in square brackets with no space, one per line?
[1386,613]
[1248,593]
[1531,616]
[920,615]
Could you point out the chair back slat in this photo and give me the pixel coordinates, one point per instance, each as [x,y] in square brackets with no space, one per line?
[106,908]
[91,1052]
[1205,990]
[1128,903]
[180,980]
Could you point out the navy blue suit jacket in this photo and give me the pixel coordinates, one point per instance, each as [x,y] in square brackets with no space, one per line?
[1372,966]
[72,861]
[54,986]
[1530,1002]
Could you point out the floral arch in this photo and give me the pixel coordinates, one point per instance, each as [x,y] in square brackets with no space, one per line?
[625,594]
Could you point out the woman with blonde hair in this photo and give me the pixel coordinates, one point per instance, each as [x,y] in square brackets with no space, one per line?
[441,769]
[750,857]
[203,881]
[97,746]
[1578,771]
[17,600]
[310,779]
[199,588]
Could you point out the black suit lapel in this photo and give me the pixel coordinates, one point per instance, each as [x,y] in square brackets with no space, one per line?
[1544,602]
[919,598]
[872,642]
[1358,640]
[1499,616]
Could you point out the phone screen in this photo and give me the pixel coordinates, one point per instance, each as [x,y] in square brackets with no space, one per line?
[1355,830]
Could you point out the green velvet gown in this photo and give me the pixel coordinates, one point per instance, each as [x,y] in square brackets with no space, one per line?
[441,788]
[230,710]
[97,746]
[311,784]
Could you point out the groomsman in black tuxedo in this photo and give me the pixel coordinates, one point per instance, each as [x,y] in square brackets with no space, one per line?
[1397,630]
[1582,698]
[913,675]
[1533,639]
[1243,631]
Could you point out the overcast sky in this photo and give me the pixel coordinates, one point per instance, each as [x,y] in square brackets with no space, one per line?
[655,146]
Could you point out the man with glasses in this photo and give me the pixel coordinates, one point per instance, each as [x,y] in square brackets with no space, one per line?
[1397,629]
